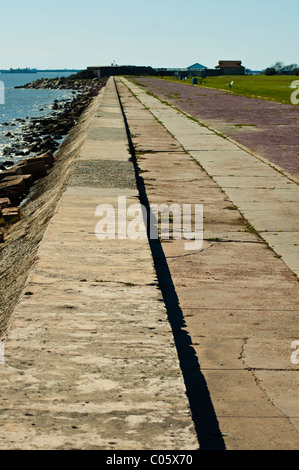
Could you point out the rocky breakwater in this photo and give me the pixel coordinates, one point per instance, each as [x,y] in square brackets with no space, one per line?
[39,142]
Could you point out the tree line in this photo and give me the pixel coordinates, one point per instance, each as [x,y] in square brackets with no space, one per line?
[280,69]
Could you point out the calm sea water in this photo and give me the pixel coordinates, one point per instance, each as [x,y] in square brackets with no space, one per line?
[25,104]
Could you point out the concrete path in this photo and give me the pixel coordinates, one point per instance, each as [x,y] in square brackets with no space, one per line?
[235,297]
[139,344]
[266,198]
[90,358]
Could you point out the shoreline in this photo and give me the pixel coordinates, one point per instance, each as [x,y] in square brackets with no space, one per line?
[46,132]
[42,137]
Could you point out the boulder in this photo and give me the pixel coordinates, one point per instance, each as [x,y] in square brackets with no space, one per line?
[28,179]
[8,150]
[36,168]
[6,164]
[11,194]
[4,202]
[14,189]
[10,213]
[48,144]
[46,157]
[13,172]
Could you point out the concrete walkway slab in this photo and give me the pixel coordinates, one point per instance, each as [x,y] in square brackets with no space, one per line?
[225,162]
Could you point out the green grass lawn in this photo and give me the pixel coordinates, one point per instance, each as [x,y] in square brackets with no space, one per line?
[276,87]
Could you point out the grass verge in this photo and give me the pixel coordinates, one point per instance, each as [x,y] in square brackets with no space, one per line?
[275,88]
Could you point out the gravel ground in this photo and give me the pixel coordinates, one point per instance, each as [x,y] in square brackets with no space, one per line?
[104,174]
[266,128]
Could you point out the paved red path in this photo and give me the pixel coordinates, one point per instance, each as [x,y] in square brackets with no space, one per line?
[266,128]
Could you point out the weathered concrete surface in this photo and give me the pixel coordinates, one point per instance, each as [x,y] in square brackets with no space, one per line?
[266,198]
[90,358]
[236,299]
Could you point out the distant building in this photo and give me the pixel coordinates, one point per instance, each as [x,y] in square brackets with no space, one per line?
[111,70]
[196,70]
[230,67]
[170,72]
[287,71]
[196,66]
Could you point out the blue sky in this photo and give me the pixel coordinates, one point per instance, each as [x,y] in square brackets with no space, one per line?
[160,33]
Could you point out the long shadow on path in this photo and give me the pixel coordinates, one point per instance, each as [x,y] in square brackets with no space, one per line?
[203,413]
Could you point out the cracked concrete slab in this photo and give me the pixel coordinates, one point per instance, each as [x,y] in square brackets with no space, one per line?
[235,297]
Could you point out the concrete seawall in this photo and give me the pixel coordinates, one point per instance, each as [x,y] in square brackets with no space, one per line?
[90,359]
